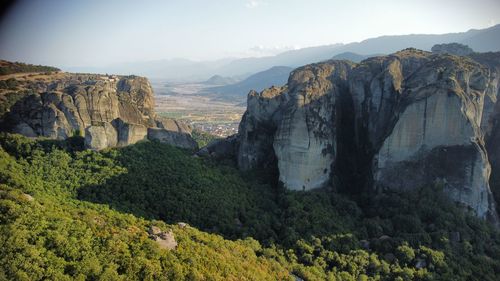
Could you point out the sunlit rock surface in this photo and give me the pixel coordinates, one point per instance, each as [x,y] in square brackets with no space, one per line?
[107,110]
[401,121]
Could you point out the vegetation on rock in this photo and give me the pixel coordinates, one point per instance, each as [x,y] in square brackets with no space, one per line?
[203,138]
[7,67]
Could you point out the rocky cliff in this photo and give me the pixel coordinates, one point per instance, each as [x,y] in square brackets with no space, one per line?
[107,110]
[397,122]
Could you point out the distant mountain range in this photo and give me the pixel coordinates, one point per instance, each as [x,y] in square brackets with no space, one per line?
[218,80]
[351,56]
[481,40]
[276,75]
[174,70]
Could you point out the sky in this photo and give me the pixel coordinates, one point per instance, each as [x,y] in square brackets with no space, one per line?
[68,33]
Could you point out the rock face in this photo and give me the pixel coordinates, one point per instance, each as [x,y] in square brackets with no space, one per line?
[223,149]
[108,111]
[437,137]
[181,139]
[304,142]
[490,124]
[400,122]
[101,137]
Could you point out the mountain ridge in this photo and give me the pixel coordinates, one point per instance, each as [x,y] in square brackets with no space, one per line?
[276,75]
[200,71]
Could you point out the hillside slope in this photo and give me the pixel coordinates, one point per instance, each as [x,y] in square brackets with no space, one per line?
[7,67]
[70,214]
[275,76]
[50,234]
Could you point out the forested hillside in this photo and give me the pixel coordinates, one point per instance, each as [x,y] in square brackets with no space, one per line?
[7,67]
[68,213]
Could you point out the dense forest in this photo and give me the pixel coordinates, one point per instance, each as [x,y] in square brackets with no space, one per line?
[68,213]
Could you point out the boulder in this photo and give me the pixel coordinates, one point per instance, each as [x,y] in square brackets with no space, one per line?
[173,125]
[176,138]
[390,257]
[365,244]
[100,137]
[384,237]
[27,197]
[154,230]
[420,263]
[129,133]
[164,239]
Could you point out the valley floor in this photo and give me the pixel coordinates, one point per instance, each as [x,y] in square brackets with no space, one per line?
[193,104]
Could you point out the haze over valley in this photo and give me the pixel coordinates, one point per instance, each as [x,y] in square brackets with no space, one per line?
[216,105]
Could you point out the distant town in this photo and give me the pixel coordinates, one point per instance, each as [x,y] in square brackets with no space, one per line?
[217,129]
[189,103]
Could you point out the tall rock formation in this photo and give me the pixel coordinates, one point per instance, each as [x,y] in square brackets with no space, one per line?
[437,137]
[107,110]
[490,123]
[398,122]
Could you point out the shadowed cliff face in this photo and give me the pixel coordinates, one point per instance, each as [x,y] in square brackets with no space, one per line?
[490,124]
[397,122]
[107,110]
[299,122]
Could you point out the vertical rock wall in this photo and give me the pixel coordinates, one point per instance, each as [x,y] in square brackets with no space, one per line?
[403,121]
[108,111]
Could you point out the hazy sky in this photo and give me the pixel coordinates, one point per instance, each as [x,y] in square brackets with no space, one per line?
[98,32]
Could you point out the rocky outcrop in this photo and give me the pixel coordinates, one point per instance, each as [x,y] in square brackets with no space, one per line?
[400,122]
[101,137]
[490,123]
[221,149]
[107,111]
[257,128]
[437,138]
[164,239]
[173,125]
[453,49]
[304,142]
[180,139]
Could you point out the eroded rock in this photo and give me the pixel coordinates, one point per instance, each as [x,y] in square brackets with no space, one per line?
[179,139]
[402,121]
[164,239]
[108,111]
